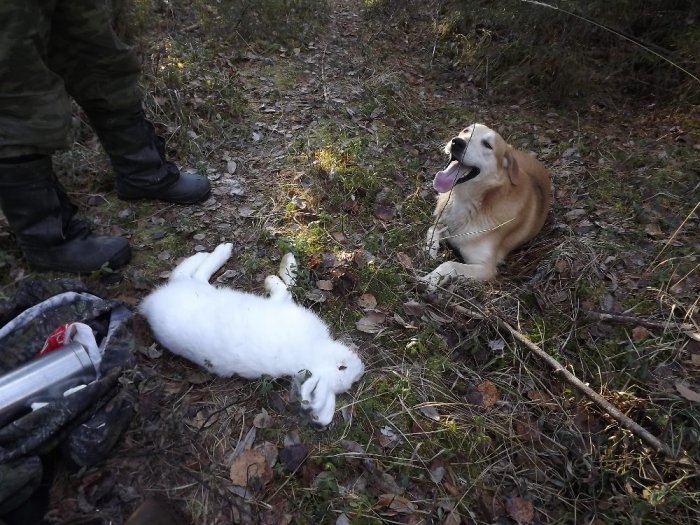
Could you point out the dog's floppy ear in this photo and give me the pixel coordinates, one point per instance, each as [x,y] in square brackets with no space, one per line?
[511,166]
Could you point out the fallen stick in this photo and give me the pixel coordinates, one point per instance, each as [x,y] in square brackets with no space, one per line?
[631,320]
[599,400]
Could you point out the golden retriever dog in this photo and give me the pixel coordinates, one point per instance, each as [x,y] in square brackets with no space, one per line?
[492,199]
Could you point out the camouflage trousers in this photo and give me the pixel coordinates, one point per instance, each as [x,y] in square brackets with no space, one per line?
[51,50]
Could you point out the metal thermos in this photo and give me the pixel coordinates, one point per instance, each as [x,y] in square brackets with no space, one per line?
[44,379]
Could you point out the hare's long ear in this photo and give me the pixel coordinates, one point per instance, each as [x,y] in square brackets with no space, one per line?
[324,415]
[213,262]
[318,399]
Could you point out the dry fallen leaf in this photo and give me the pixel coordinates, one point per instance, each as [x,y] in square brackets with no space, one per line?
[293,456]
[397,503]
[388,438]
[152,352]
[541,398]
[339,236]
[202,419]
[384,213]
[405,260]
[639,333]
[371,323]
[527,430]
[342,520]
[262,420]
[324,285]
[687,393]
[269,450]
[250,469]
[430,412]
[437,471]
[521,510]
[453,518]
[367,301]
[653,230]
[490,393]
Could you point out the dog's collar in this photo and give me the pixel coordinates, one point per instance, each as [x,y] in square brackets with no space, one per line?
[469,176]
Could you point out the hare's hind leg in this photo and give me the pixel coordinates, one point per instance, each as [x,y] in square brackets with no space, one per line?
[213,262]
[187,268]
[277,289]
[288,270]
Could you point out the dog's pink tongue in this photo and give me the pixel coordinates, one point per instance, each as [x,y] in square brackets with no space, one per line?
[444,180]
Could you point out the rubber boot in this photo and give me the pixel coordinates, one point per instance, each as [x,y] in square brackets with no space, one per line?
[138,158]
[41,216]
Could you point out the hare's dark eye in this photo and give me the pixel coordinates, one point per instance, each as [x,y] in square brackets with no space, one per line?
[342,367]
[486,144]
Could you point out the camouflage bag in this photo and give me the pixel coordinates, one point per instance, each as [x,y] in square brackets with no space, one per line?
[83,426]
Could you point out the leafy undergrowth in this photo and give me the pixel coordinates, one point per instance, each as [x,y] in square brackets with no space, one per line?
[326,146]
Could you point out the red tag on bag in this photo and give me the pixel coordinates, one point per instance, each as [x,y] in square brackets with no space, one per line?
[56,339]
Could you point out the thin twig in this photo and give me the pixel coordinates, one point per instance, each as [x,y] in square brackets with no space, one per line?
[603,403]
[630,319]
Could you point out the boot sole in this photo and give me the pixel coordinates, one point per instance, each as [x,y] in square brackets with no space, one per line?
[193,200]
[119,259]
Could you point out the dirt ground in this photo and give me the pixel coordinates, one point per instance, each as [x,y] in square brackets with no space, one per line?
[327,147]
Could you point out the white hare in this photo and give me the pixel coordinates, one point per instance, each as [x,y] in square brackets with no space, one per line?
[232,332]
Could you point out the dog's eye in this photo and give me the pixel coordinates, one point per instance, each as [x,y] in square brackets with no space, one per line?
[342,367]
[486,144]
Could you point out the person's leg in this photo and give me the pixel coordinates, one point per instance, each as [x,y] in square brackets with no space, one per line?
[34,122]
[41,216]
[102,74]
[35,110]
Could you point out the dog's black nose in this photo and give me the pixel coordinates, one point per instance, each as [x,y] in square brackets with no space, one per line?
[458,144]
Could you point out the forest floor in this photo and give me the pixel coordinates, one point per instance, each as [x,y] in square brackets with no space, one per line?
[327,147]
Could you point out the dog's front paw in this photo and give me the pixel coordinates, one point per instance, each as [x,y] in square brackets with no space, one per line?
[438,276]
[431,281]
[432,244]
[433,249]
